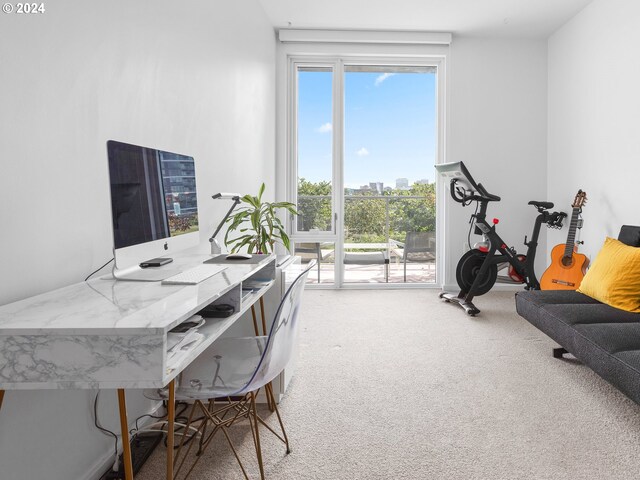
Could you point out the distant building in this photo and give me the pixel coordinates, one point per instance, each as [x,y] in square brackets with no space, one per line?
[363,190]
[377,187]
[424,181]
[402,183]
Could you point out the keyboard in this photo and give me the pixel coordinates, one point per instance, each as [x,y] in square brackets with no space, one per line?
[193,276]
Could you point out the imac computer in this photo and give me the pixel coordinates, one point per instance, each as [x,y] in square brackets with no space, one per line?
[154,209]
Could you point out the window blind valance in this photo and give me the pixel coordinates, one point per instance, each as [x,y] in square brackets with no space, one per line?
[363,36]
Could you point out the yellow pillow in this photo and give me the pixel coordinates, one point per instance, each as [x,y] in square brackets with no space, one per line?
[614,276]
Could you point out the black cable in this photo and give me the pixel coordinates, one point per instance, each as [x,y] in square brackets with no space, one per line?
[184,419]
[178,418]
[96,271]
[159,417]
[106,431]
[99,427]
[189,437]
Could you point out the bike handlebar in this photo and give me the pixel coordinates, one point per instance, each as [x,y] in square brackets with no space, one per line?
[487,195]
[465,197]
[460,195]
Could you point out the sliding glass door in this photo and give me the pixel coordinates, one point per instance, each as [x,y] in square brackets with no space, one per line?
[389,190]
[364,139]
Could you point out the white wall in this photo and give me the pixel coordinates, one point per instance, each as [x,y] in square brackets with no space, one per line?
[192,77]
[497,120]
[594,117]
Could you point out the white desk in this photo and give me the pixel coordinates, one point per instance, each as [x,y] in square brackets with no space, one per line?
[113,334]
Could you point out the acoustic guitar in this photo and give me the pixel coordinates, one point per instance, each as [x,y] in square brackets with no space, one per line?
[568,267]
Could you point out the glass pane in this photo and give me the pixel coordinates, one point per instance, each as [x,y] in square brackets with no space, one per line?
[389,153]
[324,254]
[315,149]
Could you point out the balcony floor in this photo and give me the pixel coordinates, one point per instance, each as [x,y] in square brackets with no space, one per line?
[374,274]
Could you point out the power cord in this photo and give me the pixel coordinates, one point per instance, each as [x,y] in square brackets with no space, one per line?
[106,431]
[147,415]
[181,409]
[183,406]
[184,420]
[100,427]
[96,271]
[179,418]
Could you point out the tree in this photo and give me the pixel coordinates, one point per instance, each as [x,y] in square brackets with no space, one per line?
[314,205]
[365,218]
[413,215]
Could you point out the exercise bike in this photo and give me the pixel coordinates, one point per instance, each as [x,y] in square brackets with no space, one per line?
[477,269]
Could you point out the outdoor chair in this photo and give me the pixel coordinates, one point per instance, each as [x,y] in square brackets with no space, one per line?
[368,258]
[418,247]
[312,251]
[231,372]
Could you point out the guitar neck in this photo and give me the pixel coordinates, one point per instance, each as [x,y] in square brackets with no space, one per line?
[571,237]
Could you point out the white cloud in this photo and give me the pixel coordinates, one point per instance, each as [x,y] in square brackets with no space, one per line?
[325,128]
[382,78]
[363,152]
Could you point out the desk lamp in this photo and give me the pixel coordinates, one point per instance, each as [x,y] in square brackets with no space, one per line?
[215,246]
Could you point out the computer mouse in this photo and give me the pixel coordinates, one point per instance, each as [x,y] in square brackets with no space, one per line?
[239,256]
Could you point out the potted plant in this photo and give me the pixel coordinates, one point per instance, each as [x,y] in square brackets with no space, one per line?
[258,224]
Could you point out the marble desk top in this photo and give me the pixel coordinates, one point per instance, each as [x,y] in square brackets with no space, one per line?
[109,307]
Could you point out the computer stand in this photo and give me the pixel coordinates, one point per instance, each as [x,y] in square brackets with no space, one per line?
[137,274]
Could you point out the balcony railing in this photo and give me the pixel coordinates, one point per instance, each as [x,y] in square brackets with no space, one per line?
[369,218]
[374,222]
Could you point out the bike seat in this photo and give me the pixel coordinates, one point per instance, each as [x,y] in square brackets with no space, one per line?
[544,205]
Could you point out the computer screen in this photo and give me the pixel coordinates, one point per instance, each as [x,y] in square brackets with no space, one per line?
[153,200]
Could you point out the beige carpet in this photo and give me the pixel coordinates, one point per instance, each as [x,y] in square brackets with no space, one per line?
[398,385]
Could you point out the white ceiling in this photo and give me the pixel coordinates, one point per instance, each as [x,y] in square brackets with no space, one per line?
[496,18]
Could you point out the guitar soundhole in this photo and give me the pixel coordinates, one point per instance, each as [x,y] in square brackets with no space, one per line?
[567,261]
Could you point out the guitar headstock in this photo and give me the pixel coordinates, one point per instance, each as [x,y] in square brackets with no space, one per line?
[580,200]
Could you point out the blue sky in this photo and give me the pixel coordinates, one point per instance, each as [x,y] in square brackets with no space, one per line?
[389,127]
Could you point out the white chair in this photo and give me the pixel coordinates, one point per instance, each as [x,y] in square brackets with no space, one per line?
[234,370]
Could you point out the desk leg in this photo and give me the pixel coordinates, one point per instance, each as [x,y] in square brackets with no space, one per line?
[124,429]
[171,416]
[264,325]
[1,397]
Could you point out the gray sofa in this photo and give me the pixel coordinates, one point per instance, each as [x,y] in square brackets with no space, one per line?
[602,337]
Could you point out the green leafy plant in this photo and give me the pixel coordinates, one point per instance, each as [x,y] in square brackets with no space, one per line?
[258,224]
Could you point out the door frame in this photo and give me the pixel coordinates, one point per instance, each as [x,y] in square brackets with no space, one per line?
[287,166]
